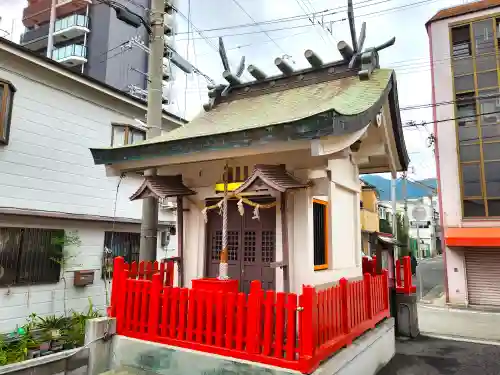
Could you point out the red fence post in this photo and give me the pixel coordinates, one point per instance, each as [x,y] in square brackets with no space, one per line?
[398,273]
[116,288]
[407,274]
[308,323]
[385,288]
[368,294]
[345,306]
[170,273]
[253,316]
[154,307]
[291,326]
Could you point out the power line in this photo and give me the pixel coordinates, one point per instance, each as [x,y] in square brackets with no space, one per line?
[312,21]
[388,10]
[449,102]
[253,20]
[268,22]
[258,32]
[259,43]
[313,14]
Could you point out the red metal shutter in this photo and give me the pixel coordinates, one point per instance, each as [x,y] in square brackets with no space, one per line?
[483,276]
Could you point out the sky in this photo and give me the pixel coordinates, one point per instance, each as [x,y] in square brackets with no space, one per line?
[289,38]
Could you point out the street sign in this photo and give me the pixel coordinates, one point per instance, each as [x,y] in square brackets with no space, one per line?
[419,213]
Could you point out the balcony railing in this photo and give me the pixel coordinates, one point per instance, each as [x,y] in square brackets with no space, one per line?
[74,20]
[35,34]
[39,12]
[40,34]
[73,50]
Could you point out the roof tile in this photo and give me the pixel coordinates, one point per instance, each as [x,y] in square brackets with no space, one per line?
[462,9]
[346,96]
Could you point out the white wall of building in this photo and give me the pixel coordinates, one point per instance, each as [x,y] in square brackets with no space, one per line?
[345,245]
[344,255]
[451,210]
[47,166]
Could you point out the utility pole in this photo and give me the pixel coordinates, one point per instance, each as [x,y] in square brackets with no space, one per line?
[433,229]
[149,223]
[50,45]
[394,207]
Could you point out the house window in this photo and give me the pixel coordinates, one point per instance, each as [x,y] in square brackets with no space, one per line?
[6,97]
[124,244]
[30,256]
[126,135]
[320,233]
[477,108]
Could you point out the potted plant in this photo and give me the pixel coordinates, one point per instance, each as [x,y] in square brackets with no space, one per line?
[16,351]
[3,354]
[32,346]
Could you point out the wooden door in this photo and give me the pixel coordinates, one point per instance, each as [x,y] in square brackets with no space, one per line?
[251,244]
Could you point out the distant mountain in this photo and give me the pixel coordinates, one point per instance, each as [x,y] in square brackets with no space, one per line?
[414,190]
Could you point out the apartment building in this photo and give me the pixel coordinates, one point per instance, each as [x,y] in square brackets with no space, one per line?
[464,50]
[90,39]
[52,195]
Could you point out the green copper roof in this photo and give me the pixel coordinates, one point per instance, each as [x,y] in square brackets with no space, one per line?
[347,96]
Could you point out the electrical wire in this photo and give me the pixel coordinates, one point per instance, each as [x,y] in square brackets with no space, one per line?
[202,35]
[260,43]
[268,22]
[312,21]
[449,102]
[264,31]
[329,11]
[259,32]
[370,14]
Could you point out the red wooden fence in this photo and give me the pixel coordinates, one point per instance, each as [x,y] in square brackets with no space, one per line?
[279,329]
[404,282]
[143,271]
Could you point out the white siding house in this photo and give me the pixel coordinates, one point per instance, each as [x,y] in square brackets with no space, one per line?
[48,181]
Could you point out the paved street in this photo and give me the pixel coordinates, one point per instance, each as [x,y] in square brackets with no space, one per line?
[430,273]
[429,356]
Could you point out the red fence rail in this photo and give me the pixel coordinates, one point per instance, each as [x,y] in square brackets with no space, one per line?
[273,328]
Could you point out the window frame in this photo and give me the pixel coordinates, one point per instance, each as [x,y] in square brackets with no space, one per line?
[481,126]
[6,104]
[131,240]
[128,131]
[19,256]
[326,265]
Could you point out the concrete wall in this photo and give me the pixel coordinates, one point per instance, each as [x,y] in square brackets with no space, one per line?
[451,209]
[68,362]
[130,356]
[367,355]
